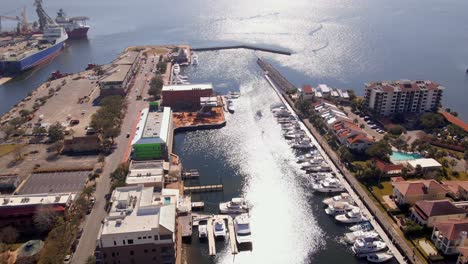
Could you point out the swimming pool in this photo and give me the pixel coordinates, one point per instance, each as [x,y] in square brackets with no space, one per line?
[400,156]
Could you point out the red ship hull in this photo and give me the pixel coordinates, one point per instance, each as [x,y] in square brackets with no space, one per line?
[78,33]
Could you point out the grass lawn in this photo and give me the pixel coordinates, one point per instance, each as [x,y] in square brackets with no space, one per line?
[7,148]
[385,188]
[462,176]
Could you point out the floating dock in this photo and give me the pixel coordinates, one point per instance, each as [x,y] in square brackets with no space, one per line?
[203,188]
[276,51]
[190,174]
[232,236]
[211,238]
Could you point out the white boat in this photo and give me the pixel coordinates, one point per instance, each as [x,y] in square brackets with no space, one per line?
[362,226]
[328,185]
[343,197]
[379,257]
[338,208]
[203,229]
[230,106]
[281,108]
[361,246]
[302,145]
[319,176]
[235,206]
[366,235]
[194,59]
[176,69]
[242,228]
[219,228]
[354,216]
[234,95]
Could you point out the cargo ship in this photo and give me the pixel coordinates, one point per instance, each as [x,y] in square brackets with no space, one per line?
[76,27]
[20,53]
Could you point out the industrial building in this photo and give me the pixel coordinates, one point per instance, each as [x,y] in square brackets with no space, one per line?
[150,173]
[154,135]
[404,96]
[140,227]
[185,96]
[119,75]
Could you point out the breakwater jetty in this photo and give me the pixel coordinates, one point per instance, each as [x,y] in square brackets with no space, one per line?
[388,231]
[276,51]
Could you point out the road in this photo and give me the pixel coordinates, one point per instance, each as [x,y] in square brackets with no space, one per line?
[92,223]
[387,230]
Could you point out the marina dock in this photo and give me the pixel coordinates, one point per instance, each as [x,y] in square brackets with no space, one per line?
[211,239]
[203,188]
[186,222]
[276,51]
[232,236]
[190,174]
[385,229]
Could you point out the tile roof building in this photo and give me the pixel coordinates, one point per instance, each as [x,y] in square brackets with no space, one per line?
[457,189]
[455,120]
[428,212]
[404,96]
[409,192]
[448,236]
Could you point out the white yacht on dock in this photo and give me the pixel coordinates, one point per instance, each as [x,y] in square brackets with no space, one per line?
[242,228]
[343,197]
[328,185]
[194,59]
[235,206]
[338,208]
[176,69]
[234,95]
[230,106]
[354,216]
[203,229]
[365,226]
[379,257]
[219,228]
[361,246]
[366,235]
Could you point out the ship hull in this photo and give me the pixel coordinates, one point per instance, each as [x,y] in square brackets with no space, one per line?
[78,33]
[18,66]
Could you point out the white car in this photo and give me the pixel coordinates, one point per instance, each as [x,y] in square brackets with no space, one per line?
[202,229]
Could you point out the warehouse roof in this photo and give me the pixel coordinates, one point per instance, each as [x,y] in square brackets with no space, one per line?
[118,74]
[153,127]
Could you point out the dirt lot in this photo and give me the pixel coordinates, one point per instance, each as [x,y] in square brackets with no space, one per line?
[24,160]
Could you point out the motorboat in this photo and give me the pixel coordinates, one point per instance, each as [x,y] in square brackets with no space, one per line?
[281,108]
[319,176]
[338,208]
[328,185]
[302,145]
[363,246]
[379,257]
[203,229]
[364,226]
[242,228]
[176,69]
[304,158]
[234,95]
[194,59]
[291,135]
[353,216]
[366,235]
[235,206]
[230,106]
[284,120]
[219,228]
[282,113]
[343,197]
[321,168]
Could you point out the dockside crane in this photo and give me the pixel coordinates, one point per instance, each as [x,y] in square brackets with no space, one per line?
[23,25]
[44,19]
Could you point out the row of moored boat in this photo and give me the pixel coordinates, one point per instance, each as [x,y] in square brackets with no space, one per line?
[365,242]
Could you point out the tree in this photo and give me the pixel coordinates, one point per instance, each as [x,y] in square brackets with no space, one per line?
[380,150]
[362,126]
[430,121]
[112,133]
[162,66]
[39,130]
[45,218]
[91,260]
[24,113]
[345,154]
[418,170]
[9,235]
[303,106]
[55,132]
[156,85]
[396,130]
[355,121]
[88,191]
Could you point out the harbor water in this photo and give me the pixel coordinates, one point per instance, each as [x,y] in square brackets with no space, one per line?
[340,43]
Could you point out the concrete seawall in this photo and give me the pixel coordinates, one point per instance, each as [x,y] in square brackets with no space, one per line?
[282,52]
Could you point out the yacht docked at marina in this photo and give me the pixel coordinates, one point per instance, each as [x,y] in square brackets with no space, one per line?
[242,228]
[235,206]
[354,216]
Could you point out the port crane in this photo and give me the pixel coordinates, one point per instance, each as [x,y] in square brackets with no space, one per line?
[23,25]
[44,19]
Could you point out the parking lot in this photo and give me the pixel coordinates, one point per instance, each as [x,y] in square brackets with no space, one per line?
[370,126]
[55,182]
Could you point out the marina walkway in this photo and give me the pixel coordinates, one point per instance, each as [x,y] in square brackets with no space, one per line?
[332,159]
[211,238]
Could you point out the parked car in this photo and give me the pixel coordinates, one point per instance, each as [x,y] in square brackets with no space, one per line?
[67,259]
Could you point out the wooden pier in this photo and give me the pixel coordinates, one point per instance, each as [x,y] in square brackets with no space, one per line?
[232,236]
[211,238]
[203,188]
[276,51]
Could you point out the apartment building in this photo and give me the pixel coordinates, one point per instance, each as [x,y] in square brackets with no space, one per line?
[140,227]
[390,97]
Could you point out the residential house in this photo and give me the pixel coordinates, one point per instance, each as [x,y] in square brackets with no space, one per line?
[409,192]
[457,189]
[308,92]
[449,235]
[428,212]
[388,168]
